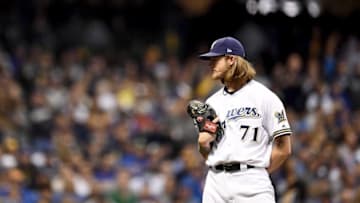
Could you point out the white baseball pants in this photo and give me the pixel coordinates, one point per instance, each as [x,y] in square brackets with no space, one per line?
[248,186]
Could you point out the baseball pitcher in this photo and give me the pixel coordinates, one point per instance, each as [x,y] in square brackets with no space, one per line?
[244,134]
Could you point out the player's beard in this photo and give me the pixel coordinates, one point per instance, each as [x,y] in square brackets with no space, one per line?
[219,73]
[229,74]
[216,75]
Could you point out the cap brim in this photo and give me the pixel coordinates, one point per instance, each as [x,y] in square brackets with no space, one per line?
[209,55]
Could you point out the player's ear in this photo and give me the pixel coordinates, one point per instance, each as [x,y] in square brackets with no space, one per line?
[231,59]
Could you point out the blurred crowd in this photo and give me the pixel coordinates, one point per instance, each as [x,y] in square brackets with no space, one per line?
[85,122]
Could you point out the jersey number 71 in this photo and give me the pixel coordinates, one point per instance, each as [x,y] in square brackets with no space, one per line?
[246,127]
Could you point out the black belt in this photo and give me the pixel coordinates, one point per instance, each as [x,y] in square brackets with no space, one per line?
[231,167]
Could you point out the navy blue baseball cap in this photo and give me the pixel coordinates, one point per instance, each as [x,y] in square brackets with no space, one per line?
[224,46]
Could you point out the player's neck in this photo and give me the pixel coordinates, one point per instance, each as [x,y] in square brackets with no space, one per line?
[233,86]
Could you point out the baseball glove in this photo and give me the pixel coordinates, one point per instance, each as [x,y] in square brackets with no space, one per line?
[203,115]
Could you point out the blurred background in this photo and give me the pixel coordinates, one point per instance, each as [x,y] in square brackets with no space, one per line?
[93,96]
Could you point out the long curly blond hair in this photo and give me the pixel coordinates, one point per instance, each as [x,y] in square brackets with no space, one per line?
[240,70]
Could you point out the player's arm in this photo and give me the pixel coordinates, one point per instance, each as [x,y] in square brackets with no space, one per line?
[204,141]
[280,152]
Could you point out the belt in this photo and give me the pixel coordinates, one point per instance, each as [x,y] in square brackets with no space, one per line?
[231,167]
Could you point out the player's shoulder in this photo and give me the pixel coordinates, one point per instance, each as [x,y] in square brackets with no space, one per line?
[263,92]
[260,88]
[269,97]
[254,89]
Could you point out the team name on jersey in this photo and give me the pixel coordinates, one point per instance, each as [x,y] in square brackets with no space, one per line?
[243,112]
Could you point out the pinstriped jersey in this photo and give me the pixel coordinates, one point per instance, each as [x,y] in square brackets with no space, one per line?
[251,117]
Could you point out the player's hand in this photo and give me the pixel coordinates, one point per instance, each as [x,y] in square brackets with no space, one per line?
[205,137]
[203,116]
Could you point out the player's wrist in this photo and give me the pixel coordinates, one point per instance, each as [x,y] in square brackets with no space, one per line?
[204,150]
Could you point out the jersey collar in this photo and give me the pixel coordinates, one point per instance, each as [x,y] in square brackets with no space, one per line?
[226,90]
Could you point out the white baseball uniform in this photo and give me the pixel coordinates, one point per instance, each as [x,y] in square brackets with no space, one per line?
[252,117]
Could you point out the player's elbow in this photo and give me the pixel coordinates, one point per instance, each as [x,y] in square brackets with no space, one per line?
[286,153]
[282,154]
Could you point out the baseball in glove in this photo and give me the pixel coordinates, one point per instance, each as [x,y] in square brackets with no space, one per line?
[203,115]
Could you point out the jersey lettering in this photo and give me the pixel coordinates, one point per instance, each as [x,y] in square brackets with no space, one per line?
[243,112]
